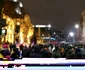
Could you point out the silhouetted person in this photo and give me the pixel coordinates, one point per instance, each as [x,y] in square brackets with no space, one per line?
[15,54]
[36,53]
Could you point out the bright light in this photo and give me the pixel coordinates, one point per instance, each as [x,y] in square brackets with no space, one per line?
[18,11]
[15,0]
[21,5]
[76,26]
[8,19]
[3,31]
[42,26]
[18,23]
[71,34]
[54,33]
[33,26]
[49,26]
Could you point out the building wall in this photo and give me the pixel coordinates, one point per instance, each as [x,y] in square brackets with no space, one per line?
[83,26]
[41,33]
[12,19]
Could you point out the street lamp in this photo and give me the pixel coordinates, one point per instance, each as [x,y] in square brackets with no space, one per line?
[49,26]
[77,26]
[77,32]
[71,34]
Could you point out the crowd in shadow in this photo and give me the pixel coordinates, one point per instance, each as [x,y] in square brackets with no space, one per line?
[42,51]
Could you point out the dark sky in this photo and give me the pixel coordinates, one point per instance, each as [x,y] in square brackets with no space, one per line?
[58,13]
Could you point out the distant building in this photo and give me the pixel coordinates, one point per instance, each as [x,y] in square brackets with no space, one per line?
[45,34]
[42,32]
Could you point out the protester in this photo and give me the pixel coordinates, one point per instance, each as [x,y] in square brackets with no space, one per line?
[5,52]
[42,51]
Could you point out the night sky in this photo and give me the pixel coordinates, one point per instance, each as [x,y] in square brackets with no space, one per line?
[59,13]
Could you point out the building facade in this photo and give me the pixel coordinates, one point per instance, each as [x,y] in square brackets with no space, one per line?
[18,23]
[82,26]
[42,33]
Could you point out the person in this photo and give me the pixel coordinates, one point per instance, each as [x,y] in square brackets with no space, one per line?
[78,54]
[56,53]
[62,52]
[21,47]
[15,53]
[11,47]
[36,53]
[5,52]
[45,52]
[26,51]
[82,51]
[71,53]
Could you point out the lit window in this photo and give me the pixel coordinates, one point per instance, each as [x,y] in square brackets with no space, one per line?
[14,0]
[20,4]
[3,32]
[18,11]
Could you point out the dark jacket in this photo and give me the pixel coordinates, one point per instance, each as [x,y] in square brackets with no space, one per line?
[26,52]
[70,54]
[35,55]
[56,54]
[5,53]
[15,56]
[46,54]
[78,53]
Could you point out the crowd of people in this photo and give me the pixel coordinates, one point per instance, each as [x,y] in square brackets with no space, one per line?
[42,51]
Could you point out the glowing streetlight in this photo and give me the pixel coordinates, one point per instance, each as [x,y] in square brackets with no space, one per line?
[71,34]
[77,26]
[49,25]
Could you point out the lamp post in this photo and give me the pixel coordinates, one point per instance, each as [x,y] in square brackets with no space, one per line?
[77,26]
[71,34]
[77,32]
[49,27]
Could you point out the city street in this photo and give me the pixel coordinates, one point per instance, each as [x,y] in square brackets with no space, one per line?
[46,30]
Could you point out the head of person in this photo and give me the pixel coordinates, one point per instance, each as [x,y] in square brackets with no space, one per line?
[62,50]
[5,46]
[37,49]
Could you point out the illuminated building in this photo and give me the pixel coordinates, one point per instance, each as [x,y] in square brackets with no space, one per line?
[18,23]
[42,33]
[82,26]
